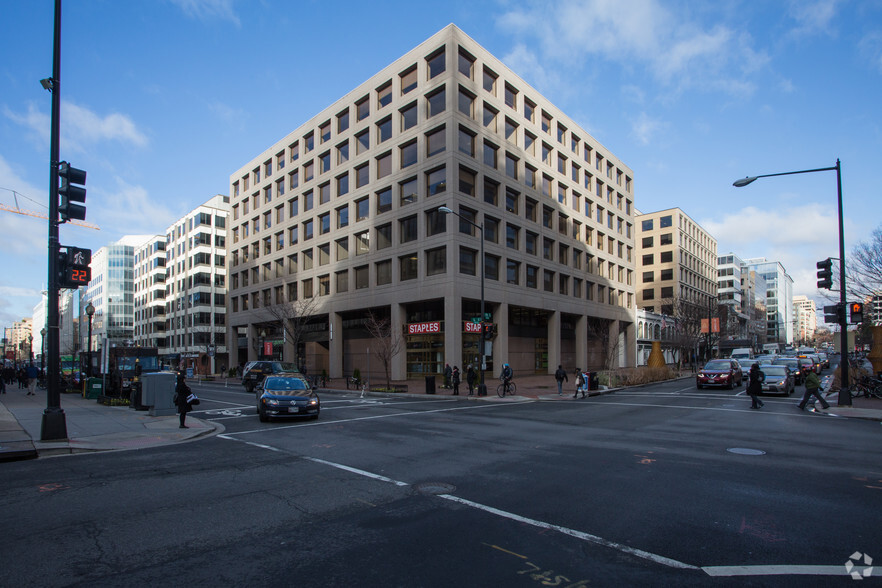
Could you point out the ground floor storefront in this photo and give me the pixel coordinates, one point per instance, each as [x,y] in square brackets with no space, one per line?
[413,340]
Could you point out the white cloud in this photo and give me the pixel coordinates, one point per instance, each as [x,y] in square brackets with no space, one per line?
[81,128]
[814,17]
[24,237]
[644,128]
[209,9]
[129,210]
[13,291]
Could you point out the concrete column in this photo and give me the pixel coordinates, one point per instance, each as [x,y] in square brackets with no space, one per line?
[582,342]
[553,337]
[453,330]
[253,342]
[631,345]
[500,344]
[335,345]
[399,362]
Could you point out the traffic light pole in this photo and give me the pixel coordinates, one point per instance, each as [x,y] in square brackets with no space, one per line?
[54,425]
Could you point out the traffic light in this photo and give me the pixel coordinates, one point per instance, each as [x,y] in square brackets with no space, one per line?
[71,192]
[857,312]
[825,274]
[831,314]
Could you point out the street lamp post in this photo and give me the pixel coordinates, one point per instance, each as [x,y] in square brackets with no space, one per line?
[482,387]
[844,394]
[90,311]
[31,349]
[42,348]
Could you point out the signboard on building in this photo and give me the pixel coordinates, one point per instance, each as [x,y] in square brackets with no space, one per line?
[424,328]
[268,348]
[472,327]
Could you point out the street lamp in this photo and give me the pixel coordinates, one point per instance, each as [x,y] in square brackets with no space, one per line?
[844,394]
[42,348]
[90,311]
[482,388]
[31,349]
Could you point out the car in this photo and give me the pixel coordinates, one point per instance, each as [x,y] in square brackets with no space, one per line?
[819,365]
[745,364]
[795,368]
[725,373]
[286,395]
[777,379]
[807,363]
[256,371]
[825,359]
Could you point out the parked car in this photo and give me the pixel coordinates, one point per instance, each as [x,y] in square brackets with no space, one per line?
[286,395]
[256,371]
[725,373]
[795,368]
[778,379]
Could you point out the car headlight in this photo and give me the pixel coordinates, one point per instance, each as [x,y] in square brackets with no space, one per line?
[271,401]
[313,401]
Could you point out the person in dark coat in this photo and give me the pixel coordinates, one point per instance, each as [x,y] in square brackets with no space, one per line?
[182,390]
[448,373]
[560,375]
[471,378]
[454,379]
[755,385]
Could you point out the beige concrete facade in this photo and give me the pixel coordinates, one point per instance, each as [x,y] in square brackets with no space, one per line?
[677,261]
[344,210]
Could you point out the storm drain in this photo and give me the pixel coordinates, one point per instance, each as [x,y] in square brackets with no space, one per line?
[745,451]
[434,488]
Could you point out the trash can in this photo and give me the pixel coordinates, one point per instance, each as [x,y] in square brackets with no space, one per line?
[430,384]
[593,381]
[94,388]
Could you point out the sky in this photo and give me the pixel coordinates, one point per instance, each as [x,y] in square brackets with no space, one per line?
[163,99]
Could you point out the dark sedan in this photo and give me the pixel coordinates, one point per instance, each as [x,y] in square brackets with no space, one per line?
[286,395]
[725,373]
[795,368]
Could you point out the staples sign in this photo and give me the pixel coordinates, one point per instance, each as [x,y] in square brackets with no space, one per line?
[470,327]
[424,328]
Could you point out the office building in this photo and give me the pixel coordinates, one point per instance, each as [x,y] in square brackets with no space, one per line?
[150,294]
[339,222]
[779,296]
[805,319]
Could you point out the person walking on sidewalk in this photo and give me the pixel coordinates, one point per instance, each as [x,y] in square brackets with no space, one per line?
[182,391]
[32,373]
[454,379]
[812,387]
[560,375]
[448,373]
[755,385]
[471,378]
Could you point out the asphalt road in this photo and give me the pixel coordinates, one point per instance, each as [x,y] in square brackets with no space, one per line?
[635,488]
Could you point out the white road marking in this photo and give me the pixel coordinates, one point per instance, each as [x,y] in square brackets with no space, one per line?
[775,570]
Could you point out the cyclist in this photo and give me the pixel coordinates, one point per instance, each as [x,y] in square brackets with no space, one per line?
[506,375]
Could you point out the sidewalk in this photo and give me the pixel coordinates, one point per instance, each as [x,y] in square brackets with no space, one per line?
[90,427]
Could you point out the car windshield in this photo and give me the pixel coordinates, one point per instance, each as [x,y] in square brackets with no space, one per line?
[788,362]
[279,366]
[285,386]
[718,365]
[775,370]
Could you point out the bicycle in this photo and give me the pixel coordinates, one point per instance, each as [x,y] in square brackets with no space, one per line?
[506,387]
[867,387]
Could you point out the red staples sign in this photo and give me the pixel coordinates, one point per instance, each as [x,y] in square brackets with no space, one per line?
[470,327]
[424,328]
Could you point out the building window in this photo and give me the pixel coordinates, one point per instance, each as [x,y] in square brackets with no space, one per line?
[436,63]
[408,80]
[407,229]
[666,239]
[325,132]
[362,175]
[466,63]
[384,95]
[342,246]
[343,184]
[408,191]
[435,142]
[511,236]
[548,281]
[466,142]
[384,129]
[409,116]
[512,272]
[436,102]
[361,277]
[343,121]
[490,114]
[530,242]
[384,272]
[362,142]
[408,154]
[362,109]
[362,209]
[467,181]
[490,154]
[529,111]
[532,280]
[466,102]
[384,236]
[511,200]
[343,216]
[342,281]
[511,130]
[489,81]
[384,200]
[384,165]
[468,259]
[491,192]
[362,243]
[436,181]
[407,267]
[436,261]
[511,166]
[511,97]
[324,223]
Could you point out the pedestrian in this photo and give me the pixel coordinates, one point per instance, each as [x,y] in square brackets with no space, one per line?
[471,377]
[755,385]
[581,384]
[560,375]
[33,373]
[2,384]
[182,391]
[22,378]
[454,379]
[812,387]
[447,375]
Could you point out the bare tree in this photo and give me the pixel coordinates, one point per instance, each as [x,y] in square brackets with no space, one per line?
[293,316]
[687,319]
[610,346]
[865,267]
[388,342]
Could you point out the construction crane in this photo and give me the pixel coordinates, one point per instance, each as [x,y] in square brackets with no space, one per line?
[17,210]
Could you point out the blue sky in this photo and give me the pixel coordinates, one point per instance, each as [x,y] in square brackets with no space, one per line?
[163,99]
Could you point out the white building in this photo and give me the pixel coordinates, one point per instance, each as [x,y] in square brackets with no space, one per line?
[805,319]
[150,287]
[779,297]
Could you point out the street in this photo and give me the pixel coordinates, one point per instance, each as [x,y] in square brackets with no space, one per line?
[660,485]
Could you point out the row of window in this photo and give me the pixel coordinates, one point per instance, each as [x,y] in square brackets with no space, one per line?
[516,273]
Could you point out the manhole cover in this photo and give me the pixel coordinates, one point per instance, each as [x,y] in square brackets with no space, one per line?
[434,488]
[745,451]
